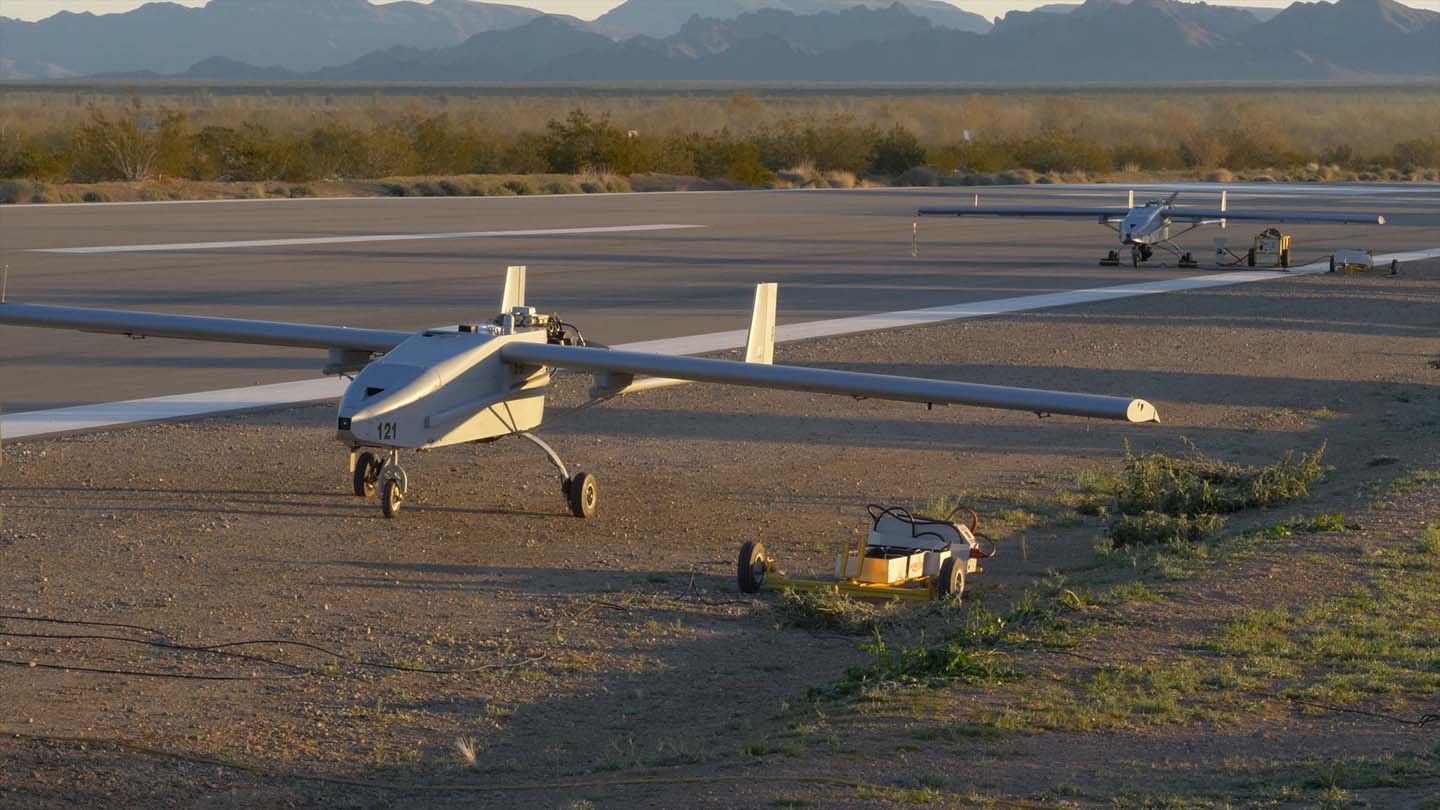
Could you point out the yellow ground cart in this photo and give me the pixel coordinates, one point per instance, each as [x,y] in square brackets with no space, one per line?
[1270,249]
[901,557]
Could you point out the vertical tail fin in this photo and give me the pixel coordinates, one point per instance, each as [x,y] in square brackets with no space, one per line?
[760,344]
[514,295]
[1224,206]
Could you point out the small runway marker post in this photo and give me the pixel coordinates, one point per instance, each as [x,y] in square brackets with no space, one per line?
[915,239]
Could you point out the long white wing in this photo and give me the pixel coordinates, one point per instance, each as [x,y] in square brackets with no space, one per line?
[193,327]
[1023,211]
[829,381]
[1197,214]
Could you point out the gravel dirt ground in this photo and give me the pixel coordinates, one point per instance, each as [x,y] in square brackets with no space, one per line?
[611,663]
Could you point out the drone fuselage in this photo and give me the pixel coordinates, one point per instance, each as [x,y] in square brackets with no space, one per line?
[442,387]
[1145,224]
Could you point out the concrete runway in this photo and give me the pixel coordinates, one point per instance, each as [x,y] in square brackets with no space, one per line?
[835,254]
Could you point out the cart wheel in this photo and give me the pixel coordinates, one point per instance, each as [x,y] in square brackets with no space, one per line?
[751,567]
[950,584]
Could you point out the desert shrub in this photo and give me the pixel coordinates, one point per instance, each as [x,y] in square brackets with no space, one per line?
[1142,156]
[918,176]
[837,178]
[825,609]
[1157,528]
[45,193]
[580,143]
[834,143]
[804,175]
[897,151]
[1199,485]
[723,155]
[564,185]
[1016,177]
[134,144]
[168,195]
[1059,151]
[247,152]
[521,186]
[974,157]
[35,158]
[1419,152]
[16,191]
[95,196]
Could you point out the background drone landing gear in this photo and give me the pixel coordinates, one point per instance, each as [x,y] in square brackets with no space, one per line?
[1112,259]
[1186,260]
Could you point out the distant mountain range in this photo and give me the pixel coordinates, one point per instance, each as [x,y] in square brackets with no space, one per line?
[734,40]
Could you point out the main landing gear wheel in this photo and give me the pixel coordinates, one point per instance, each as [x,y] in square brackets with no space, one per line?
[751,567]
[367,473]
[391,497]
[950,584]
[582,495]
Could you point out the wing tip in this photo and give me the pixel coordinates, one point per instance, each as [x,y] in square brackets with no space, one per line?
[1140,410]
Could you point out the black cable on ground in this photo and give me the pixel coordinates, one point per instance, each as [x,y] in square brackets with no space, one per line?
[145,674]
[222,650]
[198,759]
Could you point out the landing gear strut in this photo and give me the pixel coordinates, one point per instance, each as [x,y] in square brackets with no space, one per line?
[394,483]
[580,490]
[1140,253]
[382,474]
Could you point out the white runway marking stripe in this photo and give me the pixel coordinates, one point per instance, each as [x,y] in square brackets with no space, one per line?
[345,240]
[112,414]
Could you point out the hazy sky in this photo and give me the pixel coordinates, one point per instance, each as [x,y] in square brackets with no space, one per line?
[588,9]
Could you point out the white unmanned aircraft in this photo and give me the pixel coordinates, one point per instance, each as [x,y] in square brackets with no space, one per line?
[482,382]
[1146,227]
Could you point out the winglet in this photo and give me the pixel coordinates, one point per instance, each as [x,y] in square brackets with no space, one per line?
[514,295]
[760,343]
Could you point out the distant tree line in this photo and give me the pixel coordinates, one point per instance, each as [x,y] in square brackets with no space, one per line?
[133,142]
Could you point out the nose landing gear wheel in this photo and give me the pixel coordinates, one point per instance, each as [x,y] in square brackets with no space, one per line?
[582,495]
[391,497]
[367,473]
[750,568]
